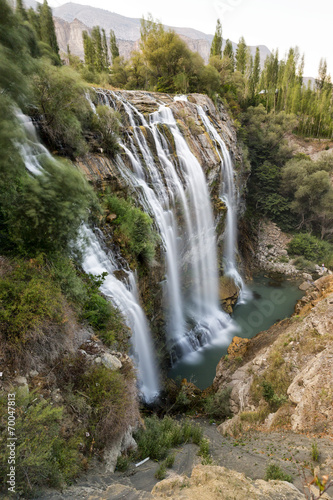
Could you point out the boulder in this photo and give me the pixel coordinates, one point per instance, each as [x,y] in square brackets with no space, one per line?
[110,361]
[237,347]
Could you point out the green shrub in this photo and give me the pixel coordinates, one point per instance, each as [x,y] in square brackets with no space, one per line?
[310,247]
[28,299]
[274,400]
[161,472]
[134,227]
[275,472]
[203,452]
[217,406]
[161,435]
[169,461]
[44,456]
[105,124]
[314,451]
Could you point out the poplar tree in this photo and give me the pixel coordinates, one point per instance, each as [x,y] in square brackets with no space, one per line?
[47,30]
[229,52]
[105,51]
[241,56]
[255,76]
[216,47]
[113,46]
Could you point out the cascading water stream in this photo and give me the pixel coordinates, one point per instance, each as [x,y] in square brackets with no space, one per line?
[125,298]
[96,261]
[230,198]
[180,204]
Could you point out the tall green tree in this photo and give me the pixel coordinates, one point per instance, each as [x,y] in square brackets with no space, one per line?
[47,29]
[255,75]
[216,47]
[229,53]
[241,56]
[113,46]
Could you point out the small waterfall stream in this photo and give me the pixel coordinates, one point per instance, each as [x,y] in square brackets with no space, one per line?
[95,261]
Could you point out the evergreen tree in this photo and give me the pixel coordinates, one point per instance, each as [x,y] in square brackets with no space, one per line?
[216,47]
[113,46]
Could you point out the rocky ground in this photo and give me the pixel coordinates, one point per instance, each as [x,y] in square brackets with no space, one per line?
[296,357]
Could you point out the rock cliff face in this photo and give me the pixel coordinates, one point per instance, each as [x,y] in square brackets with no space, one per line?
[294,358]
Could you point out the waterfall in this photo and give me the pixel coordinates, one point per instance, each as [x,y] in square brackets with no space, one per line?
[173,189]
[229,196]
[95,261]
[125,298]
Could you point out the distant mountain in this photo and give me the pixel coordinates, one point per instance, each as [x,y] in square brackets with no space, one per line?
[72,18]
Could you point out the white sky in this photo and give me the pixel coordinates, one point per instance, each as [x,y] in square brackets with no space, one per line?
[274,23]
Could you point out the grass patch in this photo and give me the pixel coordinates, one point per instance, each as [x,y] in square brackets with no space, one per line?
[161,435]
[274,472]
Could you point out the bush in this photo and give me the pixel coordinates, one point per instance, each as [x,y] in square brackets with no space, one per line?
[134,227]
[28,299]
[44,456]
[310,247]
[161,435]
[217,406]
[275,472]
[274,400]
[105,124]
[48,209]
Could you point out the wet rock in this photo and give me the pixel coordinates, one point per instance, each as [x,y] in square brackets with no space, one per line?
[228,293]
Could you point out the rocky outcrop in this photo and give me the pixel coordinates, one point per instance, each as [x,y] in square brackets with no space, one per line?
[296,358]
[214,482]
[272,254]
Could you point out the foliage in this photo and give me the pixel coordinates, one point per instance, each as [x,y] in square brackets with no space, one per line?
[28,299]
[314,451]
[161,472]
[310,247]
[134,227]
[216,47]
[274,472]
[309,187]
[49,208]
[203,452]
[44,455]
[161,435]
[64,112]
[105,124]
[274,400]
[217,406]
[109,395]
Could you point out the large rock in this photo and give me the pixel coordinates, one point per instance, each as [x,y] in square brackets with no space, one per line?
[213,482]
[228,292]
[237,347]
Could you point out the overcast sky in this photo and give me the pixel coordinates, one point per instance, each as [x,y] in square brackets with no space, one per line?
[276,24]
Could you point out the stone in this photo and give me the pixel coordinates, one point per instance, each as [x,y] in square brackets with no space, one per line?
[209,482]
[111,362]
[20,381]
[237,347]
[111,217]
[33,373]
[304,286]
